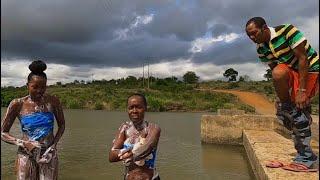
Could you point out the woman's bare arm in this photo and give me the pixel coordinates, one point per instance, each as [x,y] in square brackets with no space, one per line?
[152,140]
[58,112]
[8,120]
[117,144]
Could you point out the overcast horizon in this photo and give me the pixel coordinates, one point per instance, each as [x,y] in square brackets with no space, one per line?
[111,39]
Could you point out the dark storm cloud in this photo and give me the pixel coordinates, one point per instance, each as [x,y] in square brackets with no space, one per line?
[220,29]
[85,32]
[127,53]
[234,52]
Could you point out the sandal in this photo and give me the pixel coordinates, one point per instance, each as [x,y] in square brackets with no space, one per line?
[298,167]
[274,164]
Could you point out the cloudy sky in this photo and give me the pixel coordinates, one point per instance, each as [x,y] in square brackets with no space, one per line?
[105,39]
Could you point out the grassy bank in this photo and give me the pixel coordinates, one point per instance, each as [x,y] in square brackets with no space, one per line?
[167,94]
[161,96]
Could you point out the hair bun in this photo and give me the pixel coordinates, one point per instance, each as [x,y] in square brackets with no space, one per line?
[37,67]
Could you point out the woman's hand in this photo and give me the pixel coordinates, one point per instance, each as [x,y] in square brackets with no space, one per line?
[126,155]
[30,145]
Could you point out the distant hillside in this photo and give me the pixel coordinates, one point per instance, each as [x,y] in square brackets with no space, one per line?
[167,94]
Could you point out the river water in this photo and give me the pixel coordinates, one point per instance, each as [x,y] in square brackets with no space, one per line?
[83,149]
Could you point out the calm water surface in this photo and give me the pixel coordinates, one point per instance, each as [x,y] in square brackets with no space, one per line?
[83,149]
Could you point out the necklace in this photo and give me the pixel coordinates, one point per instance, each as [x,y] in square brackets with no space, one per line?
[38,108]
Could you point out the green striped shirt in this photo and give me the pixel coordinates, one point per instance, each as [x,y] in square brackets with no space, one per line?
[284,39]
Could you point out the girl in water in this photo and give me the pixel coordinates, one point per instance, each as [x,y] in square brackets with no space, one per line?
[136,142]
[37,155]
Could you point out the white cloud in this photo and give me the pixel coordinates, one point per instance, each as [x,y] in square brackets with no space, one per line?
[14,73]
[146,19]
[201,44]
[122,34]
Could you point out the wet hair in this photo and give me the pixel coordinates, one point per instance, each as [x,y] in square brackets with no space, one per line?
[258,21]
[37,68]
[139,95]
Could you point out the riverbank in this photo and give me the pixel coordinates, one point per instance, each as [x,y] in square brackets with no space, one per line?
[164,95]
[180,98]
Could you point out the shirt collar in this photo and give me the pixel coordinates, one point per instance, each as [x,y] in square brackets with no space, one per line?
[272,33]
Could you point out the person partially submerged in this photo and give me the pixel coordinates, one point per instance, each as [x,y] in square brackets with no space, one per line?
[37,156]
[136,142]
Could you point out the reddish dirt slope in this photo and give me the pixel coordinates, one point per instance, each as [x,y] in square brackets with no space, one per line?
[258,101]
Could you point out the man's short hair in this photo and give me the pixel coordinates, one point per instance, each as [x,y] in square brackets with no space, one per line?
[258,21]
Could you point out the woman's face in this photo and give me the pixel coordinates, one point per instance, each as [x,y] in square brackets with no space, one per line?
[37,86]
[136,108]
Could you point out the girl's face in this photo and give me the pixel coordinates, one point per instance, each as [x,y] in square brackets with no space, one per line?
[136,109]
[37,86]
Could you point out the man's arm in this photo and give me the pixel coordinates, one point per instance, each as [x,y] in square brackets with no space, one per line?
[299,51]
[272,65]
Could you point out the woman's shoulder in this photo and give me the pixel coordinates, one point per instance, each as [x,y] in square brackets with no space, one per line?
[124,126]
[18,101]
[154,126]
[53,99]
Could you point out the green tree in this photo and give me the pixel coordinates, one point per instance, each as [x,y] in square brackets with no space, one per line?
[245,78]
[268,75]
[190,77]
[231,74]
[76,82]
[58,83]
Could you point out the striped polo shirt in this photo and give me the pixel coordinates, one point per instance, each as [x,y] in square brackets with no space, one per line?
[284,39]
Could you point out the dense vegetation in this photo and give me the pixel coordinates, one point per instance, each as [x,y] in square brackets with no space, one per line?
[168,94]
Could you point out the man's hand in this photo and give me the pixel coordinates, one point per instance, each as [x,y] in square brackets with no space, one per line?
[302,101]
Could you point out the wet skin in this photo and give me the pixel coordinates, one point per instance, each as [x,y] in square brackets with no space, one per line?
[27,105]
[131,132]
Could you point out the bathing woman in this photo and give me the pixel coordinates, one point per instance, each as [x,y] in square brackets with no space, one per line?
[37,156]
[136,142]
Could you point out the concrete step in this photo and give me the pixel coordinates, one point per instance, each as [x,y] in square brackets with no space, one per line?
[265,145]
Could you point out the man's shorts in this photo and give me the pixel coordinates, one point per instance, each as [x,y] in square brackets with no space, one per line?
[312,82]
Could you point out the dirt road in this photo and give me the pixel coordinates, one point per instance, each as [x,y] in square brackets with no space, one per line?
[258,101]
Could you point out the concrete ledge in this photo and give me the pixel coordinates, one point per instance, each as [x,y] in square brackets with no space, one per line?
[262,146]
[263,137]
[230,112]
[226,129]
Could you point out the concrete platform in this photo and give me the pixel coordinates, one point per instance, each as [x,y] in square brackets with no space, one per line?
[262,146]
[227,129]
[263,137]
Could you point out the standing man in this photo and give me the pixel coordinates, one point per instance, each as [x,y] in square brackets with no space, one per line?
[295,69]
